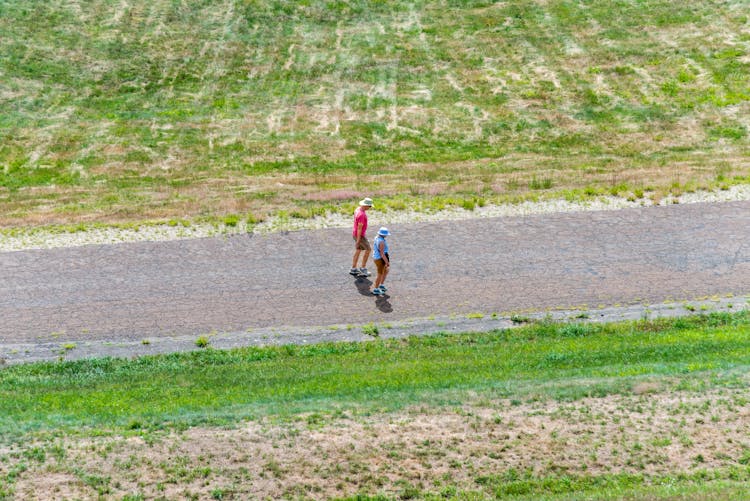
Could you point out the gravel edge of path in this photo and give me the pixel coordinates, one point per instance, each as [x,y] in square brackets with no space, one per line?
[62,350]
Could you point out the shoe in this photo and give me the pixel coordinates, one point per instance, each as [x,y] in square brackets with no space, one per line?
[364,273]
[383,288]
[377,291]
[354,271]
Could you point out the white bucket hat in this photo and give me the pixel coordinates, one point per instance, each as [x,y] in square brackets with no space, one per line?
[366,202]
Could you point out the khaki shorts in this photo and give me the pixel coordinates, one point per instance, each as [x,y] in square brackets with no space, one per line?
[364,244]
[380,265]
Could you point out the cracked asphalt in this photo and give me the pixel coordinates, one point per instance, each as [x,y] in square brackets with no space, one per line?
[154,290]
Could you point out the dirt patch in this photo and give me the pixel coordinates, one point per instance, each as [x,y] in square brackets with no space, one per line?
[424,448]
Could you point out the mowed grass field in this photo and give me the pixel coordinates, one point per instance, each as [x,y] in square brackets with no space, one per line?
[132,110]
[640,410]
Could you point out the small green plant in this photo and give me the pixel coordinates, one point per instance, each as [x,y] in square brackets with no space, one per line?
[468,205]
[274,468]
[370,330]
[475,315]
[576,330]
[145,341]
[202,342]
[519,319]
[231,220]
[69,346]
[540,184]
[689,307]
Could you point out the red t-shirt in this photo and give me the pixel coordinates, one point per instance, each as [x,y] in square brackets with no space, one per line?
[360,216]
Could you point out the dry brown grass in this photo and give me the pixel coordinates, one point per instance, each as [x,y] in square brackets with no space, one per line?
[233,193]
[650,432]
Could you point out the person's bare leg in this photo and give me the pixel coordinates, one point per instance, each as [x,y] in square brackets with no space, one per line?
[356,257]
[365,257]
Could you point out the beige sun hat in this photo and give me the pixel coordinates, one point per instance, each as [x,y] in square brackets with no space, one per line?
[366,202]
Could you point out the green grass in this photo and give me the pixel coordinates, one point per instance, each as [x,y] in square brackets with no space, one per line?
[565,361]
[130,110]
[42,402]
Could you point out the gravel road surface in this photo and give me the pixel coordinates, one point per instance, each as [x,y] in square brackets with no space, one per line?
[128,292]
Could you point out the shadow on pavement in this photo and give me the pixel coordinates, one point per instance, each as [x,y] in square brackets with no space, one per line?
[383,304]
[363,286]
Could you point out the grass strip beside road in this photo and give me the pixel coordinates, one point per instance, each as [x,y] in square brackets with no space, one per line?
[564,361]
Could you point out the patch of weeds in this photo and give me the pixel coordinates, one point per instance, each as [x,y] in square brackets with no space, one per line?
[576,330]
[370,330]
[274,468]
[231,220]
[220,493]
[468,205]
[98,483]
[475,315]
[689,307]
[519,319]
[202,342]
[661,442]
[540,184]
[408,490]
[38,454]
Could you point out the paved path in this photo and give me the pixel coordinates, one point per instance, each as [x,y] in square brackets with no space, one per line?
[149,290]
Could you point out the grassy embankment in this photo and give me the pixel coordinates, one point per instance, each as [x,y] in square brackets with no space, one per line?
[652,366]
[124,111]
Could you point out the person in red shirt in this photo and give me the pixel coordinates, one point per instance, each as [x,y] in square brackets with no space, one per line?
[360,239]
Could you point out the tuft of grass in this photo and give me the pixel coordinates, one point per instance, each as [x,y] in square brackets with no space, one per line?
[519,319]
[540,184]
[231,220]
[370,330]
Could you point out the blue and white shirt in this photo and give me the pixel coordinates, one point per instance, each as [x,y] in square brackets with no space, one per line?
[376,247]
